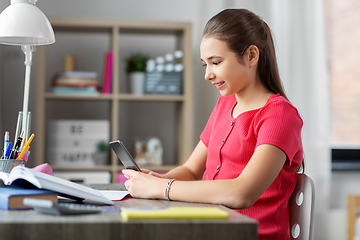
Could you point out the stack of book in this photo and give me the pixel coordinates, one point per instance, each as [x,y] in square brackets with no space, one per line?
[75,83]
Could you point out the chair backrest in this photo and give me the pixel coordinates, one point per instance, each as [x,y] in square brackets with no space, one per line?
[301,208]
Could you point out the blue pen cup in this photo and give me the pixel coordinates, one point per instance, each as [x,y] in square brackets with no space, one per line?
[6,165]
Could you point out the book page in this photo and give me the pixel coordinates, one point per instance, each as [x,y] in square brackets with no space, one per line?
[18,173]
[4,177]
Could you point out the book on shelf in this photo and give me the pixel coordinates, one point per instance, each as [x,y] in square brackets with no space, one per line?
[11,198]
[75,81]
[74,90]
[106,84]
[78,74]
[27,178]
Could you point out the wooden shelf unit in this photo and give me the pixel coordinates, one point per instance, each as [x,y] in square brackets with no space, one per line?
[115,29]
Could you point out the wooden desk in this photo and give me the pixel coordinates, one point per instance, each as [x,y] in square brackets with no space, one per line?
[28,224]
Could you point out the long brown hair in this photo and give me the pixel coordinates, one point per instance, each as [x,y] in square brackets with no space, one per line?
[240,28]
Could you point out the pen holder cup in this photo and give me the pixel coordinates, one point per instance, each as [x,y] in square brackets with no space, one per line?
[7,164]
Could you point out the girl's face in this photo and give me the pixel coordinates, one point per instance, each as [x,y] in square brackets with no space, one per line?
[223,68]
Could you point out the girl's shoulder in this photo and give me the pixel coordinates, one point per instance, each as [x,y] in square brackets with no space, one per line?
[278,100]
[280,104]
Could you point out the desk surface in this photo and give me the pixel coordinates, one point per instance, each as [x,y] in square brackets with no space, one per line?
[28,224]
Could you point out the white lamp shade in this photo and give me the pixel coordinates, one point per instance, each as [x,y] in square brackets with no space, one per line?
[25,24]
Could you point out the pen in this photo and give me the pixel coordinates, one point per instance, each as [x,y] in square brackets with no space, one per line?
[18,125]
[8,151]
[6,141]
[16,147]
[28,119]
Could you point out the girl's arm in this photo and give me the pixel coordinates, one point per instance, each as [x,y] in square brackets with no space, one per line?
[241,192]
[193,168]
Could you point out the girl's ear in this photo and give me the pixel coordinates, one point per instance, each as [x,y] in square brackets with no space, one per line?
[253,55]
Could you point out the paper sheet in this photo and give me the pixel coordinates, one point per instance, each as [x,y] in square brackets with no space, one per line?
[114,195]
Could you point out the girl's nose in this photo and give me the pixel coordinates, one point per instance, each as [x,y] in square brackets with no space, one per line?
[209,76]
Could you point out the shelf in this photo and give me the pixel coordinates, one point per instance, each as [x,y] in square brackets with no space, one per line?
[123,97]
[78,96]
[148,97]
[95,168]
[162,168]
[169,117]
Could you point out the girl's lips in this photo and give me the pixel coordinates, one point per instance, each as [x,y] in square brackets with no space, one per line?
[219,85]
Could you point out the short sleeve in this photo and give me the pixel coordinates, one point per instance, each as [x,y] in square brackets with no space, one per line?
[280,124]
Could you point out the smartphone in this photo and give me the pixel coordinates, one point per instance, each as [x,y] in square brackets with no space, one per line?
[124,156]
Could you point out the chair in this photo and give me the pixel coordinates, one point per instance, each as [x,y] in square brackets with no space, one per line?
[301,208]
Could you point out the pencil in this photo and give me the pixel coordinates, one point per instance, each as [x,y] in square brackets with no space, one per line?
[23,152]
[23,142]
[26,146]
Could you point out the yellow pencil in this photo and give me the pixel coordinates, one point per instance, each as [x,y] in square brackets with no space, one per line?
[23,152]
[26,145]
[23,142]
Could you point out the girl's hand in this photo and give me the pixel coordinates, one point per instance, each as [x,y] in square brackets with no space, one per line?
[155,174]
[144,185]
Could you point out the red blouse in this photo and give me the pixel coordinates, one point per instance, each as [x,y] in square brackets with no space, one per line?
[232,141]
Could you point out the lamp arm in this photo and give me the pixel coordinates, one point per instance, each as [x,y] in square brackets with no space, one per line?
[28,50]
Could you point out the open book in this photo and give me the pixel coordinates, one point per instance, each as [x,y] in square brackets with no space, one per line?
[26,178]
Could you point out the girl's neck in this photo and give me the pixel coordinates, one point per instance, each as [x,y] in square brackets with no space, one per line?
[250,100]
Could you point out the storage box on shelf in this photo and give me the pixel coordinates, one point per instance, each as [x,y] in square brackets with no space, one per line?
[121,105]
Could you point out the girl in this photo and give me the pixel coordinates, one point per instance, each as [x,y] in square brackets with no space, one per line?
[251,147]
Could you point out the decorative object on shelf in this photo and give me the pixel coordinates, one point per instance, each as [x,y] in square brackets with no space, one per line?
[25,25]
[136,67]
[101,154]
[78,143]
[106,85]
[140,152]
[69,63]
[164,75]
[149,152]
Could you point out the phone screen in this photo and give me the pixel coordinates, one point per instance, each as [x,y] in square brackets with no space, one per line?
[124,156]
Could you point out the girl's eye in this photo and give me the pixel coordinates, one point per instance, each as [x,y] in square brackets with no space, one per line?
[216,63]
[204,65]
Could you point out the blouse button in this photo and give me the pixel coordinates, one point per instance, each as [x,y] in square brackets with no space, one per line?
[232,123]
[222,142]
[218,167]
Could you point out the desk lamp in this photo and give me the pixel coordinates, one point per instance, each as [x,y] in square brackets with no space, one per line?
[25,25]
